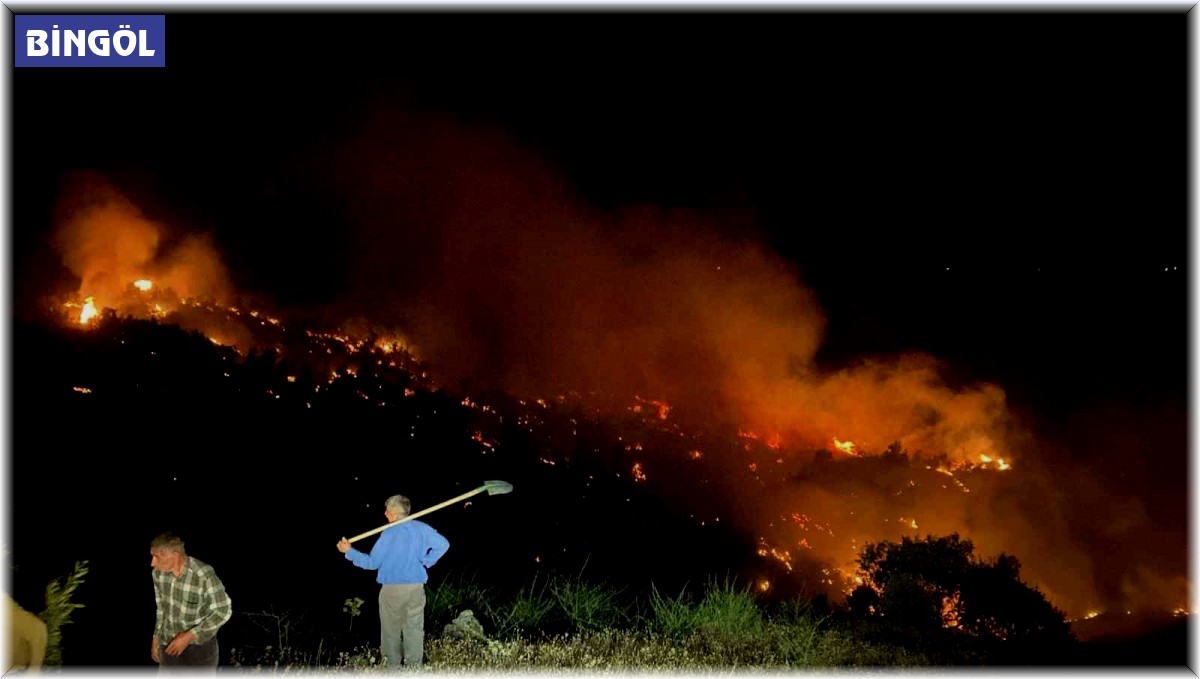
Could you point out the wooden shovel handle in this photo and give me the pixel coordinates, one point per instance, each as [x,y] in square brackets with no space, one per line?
[423,512]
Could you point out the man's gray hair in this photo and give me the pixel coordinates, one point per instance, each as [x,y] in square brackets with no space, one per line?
[169,541]
[398,504]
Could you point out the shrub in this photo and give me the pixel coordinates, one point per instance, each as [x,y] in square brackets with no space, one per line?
[59,607]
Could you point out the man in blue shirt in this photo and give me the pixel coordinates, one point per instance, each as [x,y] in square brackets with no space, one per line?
[401,555]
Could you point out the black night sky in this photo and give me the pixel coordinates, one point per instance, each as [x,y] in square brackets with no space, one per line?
[1003,192]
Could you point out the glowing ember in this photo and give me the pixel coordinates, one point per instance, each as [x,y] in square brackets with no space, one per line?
[782,556]
[144,285]
[662,407]
[950,611]
[638,474]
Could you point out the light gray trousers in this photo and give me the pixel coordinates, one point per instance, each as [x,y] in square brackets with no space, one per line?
[402,624]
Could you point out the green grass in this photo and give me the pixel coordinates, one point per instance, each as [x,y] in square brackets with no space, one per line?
[672,616]
[523,614]
[588,607]
[567,623]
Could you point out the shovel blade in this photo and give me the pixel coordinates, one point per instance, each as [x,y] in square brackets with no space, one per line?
[497,487]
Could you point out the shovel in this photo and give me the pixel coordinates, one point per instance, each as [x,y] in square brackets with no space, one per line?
[492,488]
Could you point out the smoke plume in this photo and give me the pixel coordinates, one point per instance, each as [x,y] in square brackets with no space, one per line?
[108,243]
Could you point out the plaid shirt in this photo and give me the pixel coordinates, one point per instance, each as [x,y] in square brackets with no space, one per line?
[196,600]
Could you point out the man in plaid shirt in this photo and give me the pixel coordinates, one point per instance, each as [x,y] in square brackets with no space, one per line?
[192,606]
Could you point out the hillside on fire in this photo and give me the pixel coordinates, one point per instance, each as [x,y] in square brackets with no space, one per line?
[303,435]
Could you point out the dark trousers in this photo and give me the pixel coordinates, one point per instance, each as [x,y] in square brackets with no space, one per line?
[195,656]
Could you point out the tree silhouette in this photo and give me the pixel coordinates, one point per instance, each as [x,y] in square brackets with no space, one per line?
[939,583]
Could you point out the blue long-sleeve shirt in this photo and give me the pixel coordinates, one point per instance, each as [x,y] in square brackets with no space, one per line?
[402,553]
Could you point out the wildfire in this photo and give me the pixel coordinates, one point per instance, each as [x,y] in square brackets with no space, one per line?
[89,311]
[655,411]
[947,472]
[950,611]
[1001,464]
[662,408]
[782,556]
[388,345]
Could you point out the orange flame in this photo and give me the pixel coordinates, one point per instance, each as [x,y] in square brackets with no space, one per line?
[847,447]
[638,474]
[950,611]
[89,311]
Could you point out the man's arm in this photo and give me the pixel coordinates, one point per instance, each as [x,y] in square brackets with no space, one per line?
[218,607]
[373,560]
[159,605]
[436,545]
